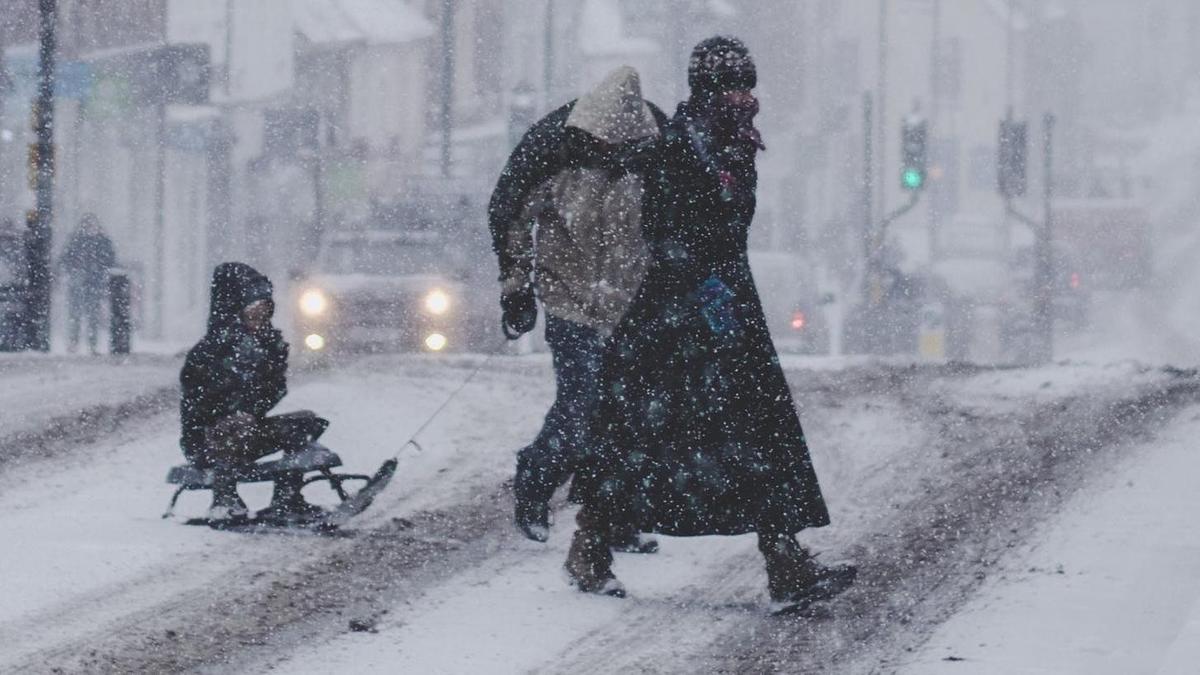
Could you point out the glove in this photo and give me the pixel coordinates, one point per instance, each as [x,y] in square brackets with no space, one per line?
[519,309]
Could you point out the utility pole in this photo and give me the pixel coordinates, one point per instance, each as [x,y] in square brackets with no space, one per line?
[38,241]
[935,86]
[160,205]
[1011,183]
[219,157]
[875,333]
[881,94]
[868,176]
[548,56]
[447,98]
[5,88]
[1006,224]
[1045,258]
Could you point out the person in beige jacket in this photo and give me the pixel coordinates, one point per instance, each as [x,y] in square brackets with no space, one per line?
[565,219]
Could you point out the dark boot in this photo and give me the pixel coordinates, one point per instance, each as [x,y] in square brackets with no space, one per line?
[531,507]
[533,519]
[628,540]
[288,505]
[589,565]
[795,579]
[226,504]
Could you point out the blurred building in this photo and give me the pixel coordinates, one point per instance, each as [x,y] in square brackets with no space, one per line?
[313,109]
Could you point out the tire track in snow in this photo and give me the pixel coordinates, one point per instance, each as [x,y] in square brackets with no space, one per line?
[918,561]
[303,587]
[938,550]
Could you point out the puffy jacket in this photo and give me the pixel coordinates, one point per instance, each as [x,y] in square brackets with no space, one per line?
[231,369]
[564,189]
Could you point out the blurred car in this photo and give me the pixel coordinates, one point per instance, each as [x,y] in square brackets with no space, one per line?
[794,308]
[1072,299]
[382,290]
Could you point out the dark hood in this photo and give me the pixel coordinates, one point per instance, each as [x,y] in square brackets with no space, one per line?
[235,286]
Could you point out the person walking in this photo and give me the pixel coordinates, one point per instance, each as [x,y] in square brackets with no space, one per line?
[86,261]
[561,189]
[696,431]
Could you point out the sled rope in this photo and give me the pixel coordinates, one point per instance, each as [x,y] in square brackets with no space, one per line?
[412,440]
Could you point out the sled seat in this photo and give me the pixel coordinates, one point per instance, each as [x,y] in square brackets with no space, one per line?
[315,457]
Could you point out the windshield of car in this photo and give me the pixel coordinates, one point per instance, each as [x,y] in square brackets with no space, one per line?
[384,258]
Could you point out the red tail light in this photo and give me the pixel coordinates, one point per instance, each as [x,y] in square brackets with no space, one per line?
[1076,280]
[799,320]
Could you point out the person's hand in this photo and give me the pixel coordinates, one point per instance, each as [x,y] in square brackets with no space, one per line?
[519,309]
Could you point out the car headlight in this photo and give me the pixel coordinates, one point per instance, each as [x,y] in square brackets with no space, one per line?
[437,302]
[313,302]
[435,342]
[314,342]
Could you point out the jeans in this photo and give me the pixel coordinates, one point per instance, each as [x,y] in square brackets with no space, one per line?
[547,462]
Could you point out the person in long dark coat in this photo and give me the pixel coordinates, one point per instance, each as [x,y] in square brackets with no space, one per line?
[696,432]
[230,380]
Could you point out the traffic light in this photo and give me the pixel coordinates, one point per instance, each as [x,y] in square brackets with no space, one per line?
[1011,153]
[912,152]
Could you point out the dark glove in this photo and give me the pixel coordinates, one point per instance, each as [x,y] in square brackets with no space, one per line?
[520,312]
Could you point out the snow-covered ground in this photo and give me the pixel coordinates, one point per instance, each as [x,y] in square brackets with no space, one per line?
[42,390]
[89,545]
[514,613]
[1110,586]
[95,570]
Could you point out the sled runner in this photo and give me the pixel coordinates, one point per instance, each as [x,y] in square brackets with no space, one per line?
[316,461]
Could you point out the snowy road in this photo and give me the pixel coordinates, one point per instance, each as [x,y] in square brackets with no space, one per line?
[935,476]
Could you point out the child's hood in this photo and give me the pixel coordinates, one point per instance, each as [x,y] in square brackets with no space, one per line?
[235,286]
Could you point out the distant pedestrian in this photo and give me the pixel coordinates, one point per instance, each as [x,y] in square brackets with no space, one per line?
[12,254]
[560,190]
[86,261]
[696,431]
[13,273]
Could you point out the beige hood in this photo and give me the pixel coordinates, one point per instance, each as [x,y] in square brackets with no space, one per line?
[614,111]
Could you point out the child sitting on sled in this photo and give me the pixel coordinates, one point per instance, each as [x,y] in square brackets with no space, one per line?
[230,380]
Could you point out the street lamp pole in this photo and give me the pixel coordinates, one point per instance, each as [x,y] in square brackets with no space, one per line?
[1045,256]
[40,236]
[447,93]
[548,56]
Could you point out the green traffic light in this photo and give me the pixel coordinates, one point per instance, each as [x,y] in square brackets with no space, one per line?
[912,179]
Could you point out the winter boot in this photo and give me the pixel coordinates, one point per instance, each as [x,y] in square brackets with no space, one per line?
[226,504]
[531,508]
[628,540]
[288,506]
[795,579]
[589,565]
[533,518]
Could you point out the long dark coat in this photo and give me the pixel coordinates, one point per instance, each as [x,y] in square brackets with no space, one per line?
[231,370]
[696,431]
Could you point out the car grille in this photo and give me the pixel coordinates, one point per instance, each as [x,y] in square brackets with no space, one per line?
[377,312]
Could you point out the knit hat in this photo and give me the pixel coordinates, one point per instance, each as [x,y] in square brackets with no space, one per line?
[720,64]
